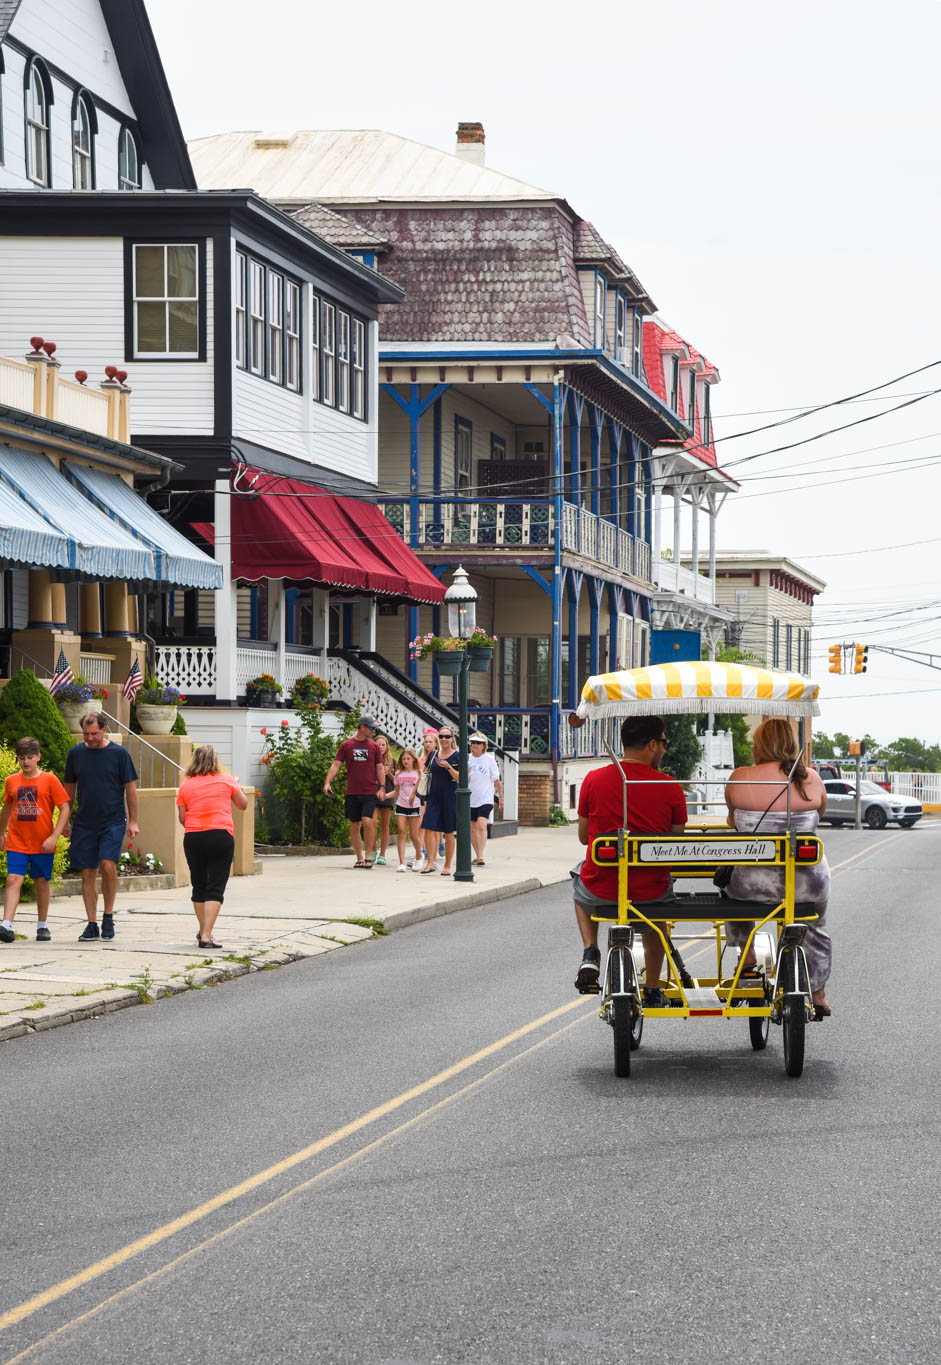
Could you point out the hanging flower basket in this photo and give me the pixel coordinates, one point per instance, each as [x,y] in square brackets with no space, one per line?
[448,661]
[480,657]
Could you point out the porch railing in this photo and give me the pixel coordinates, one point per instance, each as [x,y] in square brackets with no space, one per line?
[674,577]
[493,523]
[528,731]
[191,668]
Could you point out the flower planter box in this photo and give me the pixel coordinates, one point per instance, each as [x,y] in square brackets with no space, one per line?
[72,712]
[155,720]
[262,699]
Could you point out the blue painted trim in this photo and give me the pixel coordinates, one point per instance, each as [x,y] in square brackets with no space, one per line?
[559,396]
[593,620]
[576,406]
[436,447]
[499,441]
[595,424]
[539,396]
[573,592]
[290,598]
[537,577]
[347,624]
[435,675]
[253,611]
[412,632]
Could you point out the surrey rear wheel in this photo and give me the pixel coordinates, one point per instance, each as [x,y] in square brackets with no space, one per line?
[758,1029]
[622,1019]
[794,1022]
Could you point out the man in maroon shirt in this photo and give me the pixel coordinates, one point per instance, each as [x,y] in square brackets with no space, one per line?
[657,807]
[365,775]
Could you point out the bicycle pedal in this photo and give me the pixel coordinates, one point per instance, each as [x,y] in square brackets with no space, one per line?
[594,989]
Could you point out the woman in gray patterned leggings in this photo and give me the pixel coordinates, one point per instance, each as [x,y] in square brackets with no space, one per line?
[752,804]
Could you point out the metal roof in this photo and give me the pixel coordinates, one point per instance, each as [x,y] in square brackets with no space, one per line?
[349,166]
[8,10]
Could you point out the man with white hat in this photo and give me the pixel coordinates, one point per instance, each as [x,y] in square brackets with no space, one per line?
[484,779]
[365,777]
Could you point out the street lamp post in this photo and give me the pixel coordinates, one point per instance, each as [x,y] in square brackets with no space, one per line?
[461,601]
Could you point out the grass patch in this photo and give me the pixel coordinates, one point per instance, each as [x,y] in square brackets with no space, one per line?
[244,958]
[270,967]
[190,979]
[142,983]
[36,1005]
[379,930]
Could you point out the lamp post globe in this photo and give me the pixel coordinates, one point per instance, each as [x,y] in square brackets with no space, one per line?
[461,599]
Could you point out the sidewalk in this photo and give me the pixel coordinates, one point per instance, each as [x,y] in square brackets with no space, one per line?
[297,908]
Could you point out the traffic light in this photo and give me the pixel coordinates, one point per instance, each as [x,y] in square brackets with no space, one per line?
[857,748]
[859,660]
[836,658]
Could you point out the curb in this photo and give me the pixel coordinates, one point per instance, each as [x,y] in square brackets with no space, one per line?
[400,919]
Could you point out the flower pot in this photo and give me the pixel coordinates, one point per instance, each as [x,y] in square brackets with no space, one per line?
[261,699]
[155,720]
[449,661]
[480,657]
[72,712]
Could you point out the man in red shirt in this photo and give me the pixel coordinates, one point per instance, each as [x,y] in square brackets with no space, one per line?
[365,775]
[658,807]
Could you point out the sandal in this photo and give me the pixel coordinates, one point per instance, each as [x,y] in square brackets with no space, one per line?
[208,943]
[427,871]
[364,863]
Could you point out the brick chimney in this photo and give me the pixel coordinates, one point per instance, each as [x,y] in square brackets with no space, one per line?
[470,142]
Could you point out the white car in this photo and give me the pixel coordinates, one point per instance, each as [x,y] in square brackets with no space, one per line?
[877,806]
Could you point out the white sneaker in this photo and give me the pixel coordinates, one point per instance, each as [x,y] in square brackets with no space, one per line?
[402,867]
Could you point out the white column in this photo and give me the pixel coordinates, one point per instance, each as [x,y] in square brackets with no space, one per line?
[655,538]
[695,496]
[276,624]
[677,490]
[321,628]
[712,547]
[511,786]
[225,598]
[367,623]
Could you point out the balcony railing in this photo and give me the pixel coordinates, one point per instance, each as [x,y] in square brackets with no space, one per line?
[673,577]
[443,523]
[528,731]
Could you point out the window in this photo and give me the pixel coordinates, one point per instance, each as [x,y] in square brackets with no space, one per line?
[601,293]
[538,670]
[636,359]
[166,300]
[497,447]
[328,316]
[343,361]
[37,127]
[241,316]
[275,326]
[691,405]
[359,368]
[788,646]
[292,324]
[257,308]
[315,350]
[775,643]
[675,383]
[706,415]
[83,132]
[620,329]
[510,670]
[128,161]
[463,441]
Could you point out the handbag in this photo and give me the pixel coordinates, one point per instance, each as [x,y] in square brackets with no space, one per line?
[723,874]
[424,782]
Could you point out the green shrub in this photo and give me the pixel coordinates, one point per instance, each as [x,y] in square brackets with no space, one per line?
[60,862]
[297,761]
[26,708]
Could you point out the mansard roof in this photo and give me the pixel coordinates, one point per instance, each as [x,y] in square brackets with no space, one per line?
[339,230]
[592,249]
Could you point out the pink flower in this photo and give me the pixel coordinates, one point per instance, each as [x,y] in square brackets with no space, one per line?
[263,731]
[285,724]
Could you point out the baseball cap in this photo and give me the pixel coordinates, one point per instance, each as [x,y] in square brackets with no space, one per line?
[368,720]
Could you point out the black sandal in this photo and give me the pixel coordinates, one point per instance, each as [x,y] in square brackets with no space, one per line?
[209,943]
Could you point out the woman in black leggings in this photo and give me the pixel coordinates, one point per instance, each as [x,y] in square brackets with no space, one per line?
[205,801]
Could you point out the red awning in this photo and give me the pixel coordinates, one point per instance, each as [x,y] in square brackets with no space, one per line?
[288,529]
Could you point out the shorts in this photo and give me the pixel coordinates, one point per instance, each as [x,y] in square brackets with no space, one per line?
[35,865]
[408,810]
[360,808]
[587,900]
[209,854]
[481,812]
[90,847]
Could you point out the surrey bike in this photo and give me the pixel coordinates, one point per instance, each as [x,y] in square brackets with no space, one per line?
[778,991]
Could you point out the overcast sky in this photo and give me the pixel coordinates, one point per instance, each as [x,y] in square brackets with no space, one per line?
[769,172]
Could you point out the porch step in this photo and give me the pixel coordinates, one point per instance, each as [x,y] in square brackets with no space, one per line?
[502,829]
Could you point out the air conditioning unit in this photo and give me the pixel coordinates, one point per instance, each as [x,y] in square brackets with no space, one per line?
[623,356]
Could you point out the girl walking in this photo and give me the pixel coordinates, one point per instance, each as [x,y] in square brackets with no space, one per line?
[385,803]
[407,807]
[205,801]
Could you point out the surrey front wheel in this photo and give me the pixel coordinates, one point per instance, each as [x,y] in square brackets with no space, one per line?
[758,1028]
[794,1021]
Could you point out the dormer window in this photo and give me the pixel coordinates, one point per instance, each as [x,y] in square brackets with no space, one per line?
[706,416]
[638,334]
[128,161]
[83,133]
[37,126]
[691,409]
[620,330]
[675,383]
[601,294]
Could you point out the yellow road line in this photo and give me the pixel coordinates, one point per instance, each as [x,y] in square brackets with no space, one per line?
[873,848]
[289,1194]
[185,1220]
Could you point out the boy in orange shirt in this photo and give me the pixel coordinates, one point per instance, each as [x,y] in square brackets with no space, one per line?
[27,834]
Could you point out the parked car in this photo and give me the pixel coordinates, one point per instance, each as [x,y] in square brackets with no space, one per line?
[877,806]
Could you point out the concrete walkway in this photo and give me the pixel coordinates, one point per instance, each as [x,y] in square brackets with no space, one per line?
[297,908]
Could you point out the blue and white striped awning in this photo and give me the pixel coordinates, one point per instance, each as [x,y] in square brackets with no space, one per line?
[26,537]
[178,562]
[97,546]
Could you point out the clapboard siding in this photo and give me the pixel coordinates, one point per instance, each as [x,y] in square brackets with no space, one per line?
[75,37]
[71,291]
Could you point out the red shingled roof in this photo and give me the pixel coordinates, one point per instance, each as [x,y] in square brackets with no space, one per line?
[660,341]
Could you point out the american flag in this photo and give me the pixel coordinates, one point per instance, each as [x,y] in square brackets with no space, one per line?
[134,680]
[63,675]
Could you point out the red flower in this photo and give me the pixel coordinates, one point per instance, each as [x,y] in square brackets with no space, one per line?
[284,724]
[263,730]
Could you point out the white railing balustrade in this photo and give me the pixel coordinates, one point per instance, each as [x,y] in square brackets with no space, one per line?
[625,559]
[392,716]
[17,384]
[191,668]
[96,668]
[299,665]
[924,787]
[494,523]
[251,661]
[81,407]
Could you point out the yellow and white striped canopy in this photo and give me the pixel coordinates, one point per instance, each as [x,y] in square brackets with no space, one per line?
[694,688]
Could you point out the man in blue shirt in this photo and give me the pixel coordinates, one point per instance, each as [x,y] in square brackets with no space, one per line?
[105,778]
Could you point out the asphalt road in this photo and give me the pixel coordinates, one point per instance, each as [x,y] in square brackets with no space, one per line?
[415,1150]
